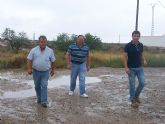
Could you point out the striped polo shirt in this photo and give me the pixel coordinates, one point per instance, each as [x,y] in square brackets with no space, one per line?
[78,54]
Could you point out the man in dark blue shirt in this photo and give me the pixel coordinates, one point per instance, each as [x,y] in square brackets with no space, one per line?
[134,61]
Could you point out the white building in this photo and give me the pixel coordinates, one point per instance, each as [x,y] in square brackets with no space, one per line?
[158,41]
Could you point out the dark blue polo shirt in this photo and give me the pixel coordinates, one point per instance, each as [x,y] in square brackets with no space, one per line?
[134,54]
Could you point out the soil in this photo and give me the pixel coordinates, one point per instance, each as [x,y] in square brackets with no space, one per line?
[107,103]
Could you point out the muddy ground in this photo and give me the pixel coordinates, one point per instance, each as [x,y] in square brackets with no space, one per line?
[107,103]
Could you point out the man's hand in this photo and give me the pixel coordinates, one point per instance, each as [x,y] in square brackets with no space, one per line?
[88,68]
[127,70]
[30,71]
[29,66]
[52,72]
[68,58]
[145,63]
[69,66]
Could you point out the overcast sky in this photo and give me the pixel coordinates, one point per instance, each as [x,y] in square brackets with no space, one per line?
[105,18]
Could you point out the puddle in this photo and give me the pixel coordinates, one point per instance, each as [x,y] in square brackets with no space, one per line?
[52,83]
[8,78]
[108,99]
[115,77]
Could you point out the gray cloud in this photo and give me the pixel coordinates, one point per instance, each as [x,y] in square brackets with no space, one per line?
[104,18]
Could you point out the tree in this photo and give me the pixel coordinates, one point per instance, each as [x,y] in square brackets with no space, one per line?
[8,34]
[22,37]
[73,38]
[16,42]
[63,41]
[93,42]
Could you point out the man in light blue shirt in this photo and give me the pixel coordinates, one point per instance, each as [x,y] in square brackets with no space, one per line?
[40,62]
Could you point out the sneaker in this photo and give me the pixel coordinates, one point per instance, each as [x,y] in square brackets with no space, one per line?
[44,105]
[37,101]
[84,95]
[71,93]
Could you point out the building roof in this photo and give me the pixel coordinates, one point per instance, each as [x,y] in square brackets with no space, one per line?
[153,40]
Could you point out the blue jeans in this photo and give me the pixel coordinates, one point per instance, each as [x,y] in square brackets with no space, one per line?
[41,85]
[78,70]
[140,75]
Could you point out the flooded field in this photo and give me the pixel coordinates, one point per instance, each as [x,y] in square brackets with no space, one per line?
[107,103]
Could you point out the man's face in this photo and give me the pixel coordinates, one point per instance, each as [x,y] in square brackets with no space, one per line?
[135,37]
[42,43]
[80,40]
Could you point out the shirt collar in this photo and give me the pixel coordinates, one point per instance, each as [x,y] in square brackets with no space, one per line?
[78,46]
[134,43]
[40,48]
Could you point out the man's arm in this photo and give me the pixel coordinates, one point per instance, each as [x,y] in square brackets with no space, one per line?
[52,68]
[68,60]
[53,59]
[88,62]
[125,63]
[29,66]
[143,60]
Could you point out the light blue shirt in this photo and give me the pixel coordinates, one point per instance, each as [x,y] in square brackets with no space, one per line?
[41,61]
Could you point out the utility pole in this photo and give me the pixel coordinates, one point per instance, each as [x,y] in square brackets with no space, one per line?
[137,15]
[33,36]
[119,38]
[153,13]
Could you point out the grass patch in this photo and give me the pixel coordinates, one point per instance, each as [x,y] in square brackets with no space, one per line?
[155,60]
[98,59]
[106,59]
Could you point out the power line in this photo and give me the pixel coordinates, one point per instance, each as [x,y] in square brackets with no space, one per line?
[161,4]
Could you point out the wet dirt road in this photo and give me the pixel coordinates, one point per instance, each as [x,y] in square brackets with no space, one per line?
[107,103]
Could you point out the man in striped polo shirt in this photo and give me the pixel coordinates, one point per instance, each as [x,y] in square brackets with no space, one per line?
[77,59]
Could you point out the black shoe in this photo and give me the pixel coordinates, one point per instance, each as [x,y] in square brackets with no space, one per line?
[137,100]
[44,105]
[134,103]
[38,101]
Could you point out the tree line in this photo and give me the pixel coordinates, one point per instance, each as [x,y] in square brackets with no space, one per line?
[20,40]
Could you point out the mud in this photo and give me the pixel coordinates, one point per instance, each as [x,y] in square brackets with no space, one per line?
[107,103]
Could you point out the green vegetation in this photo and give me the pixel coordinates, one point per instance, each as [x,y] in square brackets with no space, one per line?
[98,59]
[64,40]
[155,60]
[107,59]
[102,54]
[15,41]
[12,60]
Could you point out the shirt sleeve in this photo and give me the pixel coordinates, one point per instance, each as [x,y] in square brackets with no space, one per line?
[142,47]
[53,58]
[69,49]
[30,55]
[126,48]
[88,51]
